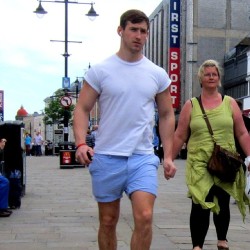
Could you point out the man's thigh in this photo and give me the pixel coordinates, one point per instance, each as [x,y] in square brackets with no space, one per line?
[142,174]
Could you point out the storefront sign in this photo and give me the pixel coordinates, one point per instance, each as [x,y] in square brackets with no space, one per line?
[174,52]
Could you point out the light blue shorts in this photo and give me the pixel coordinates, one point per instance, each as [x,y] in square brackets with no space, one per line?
[112,175]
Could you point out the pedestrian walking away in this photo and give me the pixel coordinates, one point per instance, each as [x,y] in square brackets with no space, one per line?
[127,85]
[208,192]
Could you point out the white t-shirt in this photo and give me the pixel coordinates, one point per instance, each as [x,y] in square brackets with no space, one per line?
[127,95]
[38,139]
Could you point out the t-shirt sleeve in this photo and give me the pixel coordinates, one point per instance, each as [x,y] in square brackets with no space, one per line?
[92,79]
[164,80]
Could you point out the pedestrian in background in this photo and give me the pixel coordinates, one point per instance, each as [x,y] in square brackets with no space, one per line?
[38,141]
[246,120]
[207,192]
[4,184]
[27,141]
[155,141]
[127,85]
[90,139]
[94,130]
[2,146]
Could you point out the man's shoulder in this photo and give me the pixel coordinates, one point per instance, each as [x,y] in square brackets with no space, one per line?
[103,62]
[152,64]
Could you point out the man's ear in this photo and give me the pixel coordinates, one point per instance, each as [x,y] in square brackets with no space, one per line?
[119,31]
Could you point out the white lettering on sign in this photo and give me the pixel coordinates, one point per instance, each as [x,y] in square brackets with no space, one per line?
[174,89]
[175,17]
[174,55]
[174,66]
[174,73]
[174,51]
[173,99]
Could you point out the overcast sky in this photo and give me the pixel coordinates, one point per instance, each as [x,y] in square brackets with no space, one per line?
[32,67]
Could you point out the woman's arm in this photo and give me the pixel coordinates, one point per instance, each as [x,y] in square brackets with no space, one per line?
[183,129]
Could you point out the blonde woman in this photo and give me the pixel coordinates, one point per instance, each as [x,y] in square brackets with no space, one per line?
[207,192]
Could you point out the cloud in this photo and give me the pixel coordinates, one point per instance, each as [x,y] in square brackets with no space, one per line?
[32,67]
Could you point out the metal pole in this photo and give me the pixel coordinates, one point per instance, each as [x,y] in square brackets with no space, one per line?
[66,39]
[66,116]
[77,90]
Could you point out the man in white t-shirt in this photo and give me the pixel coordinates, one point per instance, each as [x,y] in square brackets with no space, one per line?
[38,141]
[126,85]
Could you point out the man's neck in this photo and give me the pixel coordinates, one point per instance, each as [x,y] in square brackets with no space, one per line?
[129,57]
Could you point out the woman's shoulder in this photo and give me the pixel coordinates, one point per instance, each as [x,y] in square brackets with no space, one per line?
[187,108]
[229,101]
[228,98]
[192,102]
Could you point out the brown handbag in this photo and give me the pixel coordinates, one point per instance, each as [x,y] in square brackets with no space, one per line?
[222,163]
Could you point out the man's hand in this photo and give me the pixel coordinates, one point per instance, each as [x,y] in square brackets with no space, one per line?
[169,168]
[84,154]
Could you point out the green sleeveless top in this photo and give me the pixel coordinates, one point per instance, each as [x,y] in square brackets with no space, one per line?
[200,147]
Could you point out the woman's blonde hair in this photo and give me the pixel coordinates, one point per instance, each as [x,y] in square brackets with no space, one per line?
[209,63]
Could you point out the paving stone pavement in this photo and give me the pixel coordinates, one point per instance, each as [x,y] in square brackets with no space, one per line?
[58,212]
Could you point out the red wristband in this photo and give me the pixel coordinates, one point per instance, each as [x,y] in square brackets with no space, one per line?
[81,144]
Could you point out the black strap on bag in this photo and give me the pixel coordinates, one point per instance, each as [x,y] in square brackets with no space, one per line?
[206,119]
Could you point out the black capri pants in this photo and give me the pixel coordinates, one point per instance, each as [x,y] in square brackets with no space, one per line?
[200,218]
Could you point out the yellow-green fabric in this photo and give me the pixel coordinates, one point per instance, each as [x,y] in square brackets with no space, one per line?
[200,147]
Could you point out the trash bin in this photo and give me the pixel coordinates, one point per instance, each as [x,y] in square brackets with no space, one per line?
[56,149]
[14,151]
[49,148]
[67,155]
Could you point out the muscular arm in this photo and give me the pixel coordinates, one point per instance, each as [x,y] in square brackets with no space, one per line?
[86,102]
[182,132]
[166,130]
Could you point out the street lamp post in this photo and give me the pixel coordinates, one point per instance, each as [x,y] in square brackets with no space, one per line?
[66,81]
[77,88]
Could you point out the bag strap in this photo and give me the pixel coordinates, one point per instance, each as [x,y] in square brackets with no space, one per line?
[206,119]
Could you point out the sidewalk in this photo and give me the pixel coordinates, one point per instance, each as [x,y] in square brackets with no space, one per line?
[58,212]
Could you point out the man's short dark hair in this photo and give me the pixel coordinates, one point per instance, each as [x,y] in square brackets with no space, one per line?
[133,16]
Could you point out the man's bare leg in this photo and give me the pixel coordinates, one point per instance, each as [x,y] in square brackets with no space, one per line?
[142,205]
[108,218]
